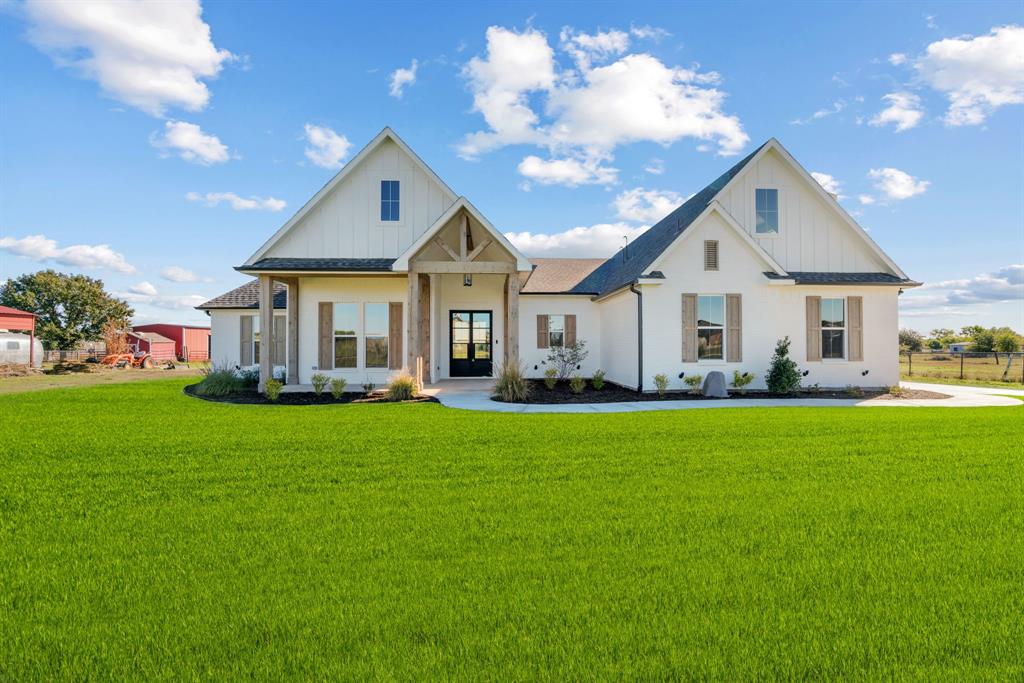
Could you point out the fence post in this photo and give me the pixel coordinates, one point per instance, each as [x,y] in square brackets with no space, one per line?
[961,365]
[910,364]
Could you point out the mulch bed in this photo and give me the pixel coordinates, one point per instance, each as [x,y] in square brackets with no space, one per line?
[253,397]
[613,393]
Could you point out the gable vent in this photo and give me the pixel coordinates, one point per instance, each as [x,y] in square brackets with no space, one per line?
[710,254]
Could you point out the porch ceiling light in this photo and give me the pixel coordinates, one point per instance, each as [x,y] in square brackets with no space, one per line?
[467,280]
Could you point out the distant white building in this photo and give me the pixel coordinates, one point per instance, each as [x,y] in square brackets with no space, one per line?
[960,347]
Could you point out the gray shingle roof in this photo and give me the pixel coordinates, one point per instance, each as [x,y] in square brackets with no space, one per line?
[805,277]
[633,261]
[247,296]
[347,264]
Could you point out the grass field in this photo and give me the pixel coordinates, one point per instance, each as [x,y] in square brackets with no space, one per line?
[978,370]
[47,380]
[147,535]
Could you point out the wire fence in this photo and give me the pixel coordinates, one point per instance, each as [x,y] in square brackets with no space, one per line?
[985,367]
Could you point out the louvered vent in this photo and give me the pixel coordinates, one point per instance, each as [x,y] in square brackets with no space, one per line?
[710,254]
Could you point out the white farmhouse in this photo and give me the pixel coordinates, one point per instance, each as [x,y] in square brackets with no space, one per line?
[387,270]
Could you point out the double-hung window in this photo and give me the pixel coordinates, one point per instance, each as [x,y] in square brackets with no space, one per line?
[833,328]
[346,322]
[389,197]
[256,340]
[711,327]
[766,205]
[556,330]
[375,335]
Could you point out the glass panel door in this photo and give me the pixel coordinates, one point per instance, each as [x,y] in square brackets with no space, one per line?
[470,349]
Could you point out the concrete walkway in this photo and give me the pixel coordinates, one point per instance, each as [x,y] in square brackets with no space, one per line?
[475,395]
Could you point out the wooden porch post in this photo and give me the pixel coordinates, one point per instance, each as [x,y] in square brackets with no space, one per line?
[266,330]
[512,319]
[293,330]
[412,333]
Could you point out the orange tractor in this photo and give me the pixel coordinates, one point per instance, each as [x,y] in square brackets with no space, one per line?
[128,360]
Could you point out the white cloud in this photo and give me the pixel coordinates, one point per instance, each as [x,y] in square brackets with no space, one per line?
[655,166]
[897,58]
[238,203]
[654,33]
[144,288]
[589,111]
[178,274]
[149,55]
[829,183]
[190,143]
[646,206]
[403,77]
[896,184]
[41,248]
[836,107]
[603,239]
[325,148]
[1001,285]
[865,199]
[904,110]
[173,302]
[568,172]
[977,74]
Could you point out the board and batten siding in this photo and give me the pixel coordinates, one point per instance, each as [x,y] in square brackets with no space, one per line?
[811,236]
[346,223]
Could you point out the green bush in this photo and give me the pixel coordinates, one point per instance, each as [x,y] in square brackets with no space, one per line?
[368,387]
[661,384]
[338,387]
[783,374]
[740,382]
[854,391]
[577,384]
[402,388]
[320,382]
[550,378]
[511,385]
[219,381]
[248,378]
[273,389]
[597,381]
[693,381]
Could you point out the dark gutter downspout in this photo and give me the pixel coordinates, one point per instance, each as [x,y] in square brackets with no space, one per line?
[639,337]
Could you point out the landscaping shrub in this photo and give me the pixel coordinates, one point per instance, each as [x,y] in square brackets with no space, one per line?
[661,384]
[854,392]
[577,384]
[565,359]
[338,387]
[273,389]
[783,374]
[897,391]
[740,382]
[550,378]
[597,381]
[320,382]
[248,377]
[368,387]
[402,388]
[219,381]
[693,381]
[511,385]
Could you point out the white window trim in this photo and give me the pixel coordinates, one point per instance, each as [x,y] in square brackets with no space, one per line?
[403,194]
[846,332]
[724,328]
[365,335]
[754,232]
[562,316]
[254,341]
[357,334]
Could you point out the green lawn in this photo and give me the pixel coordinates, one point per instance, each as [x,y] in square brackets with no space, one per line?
[146,535]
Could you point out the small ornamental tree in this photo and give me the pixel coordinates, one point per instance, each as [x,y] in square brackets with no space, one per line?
[783,375]
[566,359]
[911,340]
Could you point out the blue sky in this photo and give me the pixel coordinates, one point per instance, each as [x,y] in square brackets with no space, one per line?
[156,146]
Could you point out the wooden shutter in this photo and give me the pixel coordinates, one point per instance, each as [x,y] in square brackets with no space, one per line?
[279,341]
[542,331]
[814,328]
[855,311]
[325,344]
[689,328]
[710,254]
[245,336]
[734,324]
[395,335]
[570,330]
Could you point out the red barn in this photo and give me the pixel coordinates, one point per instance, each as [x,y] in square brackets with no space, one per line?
[190,342]
[156,345]
[22,321]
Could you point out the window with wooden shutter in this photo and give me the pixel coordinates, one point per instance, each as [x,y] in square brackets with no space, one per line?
[734,330]
[245,344]
[279,341]
[710,254]
[325,335]
[689,328]
[542,331]
[814,328]
[855,306]
[570,330]
[395,319]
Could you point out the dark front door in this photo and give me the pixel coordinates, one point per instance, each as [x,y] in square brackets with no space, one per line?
[470,350]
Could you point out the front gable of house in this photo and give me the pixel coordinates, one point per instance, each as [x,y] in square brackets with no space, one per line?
[375,207]
[814,234]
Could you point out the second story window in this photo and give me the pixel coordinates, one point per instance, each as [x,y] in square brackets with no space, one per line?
[389,195]
[766,205]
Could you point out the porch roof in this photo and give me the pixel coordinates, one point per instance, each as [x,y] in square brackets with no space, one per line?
[246,296]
